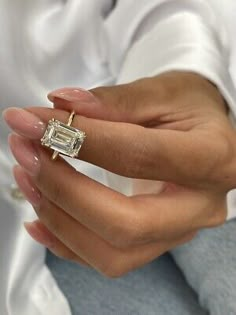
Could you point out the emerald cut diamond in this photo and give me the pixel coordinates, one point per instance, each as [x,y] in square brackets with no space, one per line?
[62,138]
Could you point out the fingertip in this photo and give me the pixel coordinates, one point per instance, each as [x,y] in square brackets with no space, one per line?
[7,113]
[40,234]
[69,94]
[59,103]
[56,93]
[18,171]
[50,97]
[29,226]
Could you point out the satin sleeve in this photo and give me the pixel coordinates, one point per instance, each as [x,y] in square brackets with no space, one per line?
[181,35]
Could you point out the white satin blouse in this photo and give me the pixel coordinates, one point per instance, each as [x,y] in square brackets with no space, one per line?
[49,44]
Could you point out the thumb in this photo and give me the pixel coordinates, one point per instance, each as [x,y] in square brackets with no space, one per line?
[85,103]
[131,103]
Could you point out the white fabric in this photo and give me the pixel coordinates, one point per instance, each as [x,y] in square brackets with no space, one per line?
[49,44]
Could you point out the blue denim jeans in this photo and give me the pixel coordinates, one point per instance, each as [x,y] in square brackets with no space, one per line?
[200,280]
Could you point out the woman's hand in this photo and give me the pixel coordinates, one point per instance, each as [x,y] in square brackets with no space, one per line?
[172,128]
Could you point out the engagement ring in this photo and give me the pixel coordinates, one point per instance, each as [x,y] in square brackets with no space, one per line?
[63,138]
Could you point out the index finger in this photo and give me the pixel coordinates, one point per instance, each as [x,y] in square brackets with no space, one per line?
[127,149]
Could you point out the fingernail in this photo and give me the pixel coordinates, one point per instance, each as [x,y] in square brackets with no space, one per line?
[72,95]
[26,185]
[25,153]
[24,123]
[39,233]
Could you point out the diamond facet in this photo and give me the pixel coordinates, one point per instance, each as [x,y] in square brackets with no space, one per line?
[63,138]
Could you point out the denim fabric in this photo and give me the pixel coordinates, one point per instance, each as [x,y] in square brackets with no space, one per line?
[209,265]
[156,289]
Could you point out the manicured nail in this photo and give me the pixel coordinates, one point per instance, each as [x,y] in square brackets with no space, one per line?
[39,233]
[24,123]
[25,153]
[26,185]
[72,95]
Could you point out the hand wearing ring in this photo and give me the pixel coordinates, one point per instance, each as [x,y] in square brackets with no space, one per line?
[153,129]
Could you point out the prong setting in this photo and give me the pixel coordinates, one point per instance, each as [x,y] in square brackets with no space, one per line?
[63,139]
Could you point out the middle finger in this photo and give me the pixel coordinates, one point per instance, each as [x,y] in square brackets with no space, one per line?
[107,259]
[106,212]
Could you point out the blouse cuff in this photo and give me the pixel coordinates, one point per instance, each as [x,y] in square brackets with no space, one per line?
[181,42]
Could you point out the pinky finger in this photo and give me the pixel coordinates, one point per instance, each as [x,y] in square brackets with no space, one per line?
[42,235]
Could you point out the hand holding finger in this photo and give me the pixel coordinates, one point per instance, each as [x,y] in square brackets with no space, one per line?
[71,240]
[129,231]
[118,219]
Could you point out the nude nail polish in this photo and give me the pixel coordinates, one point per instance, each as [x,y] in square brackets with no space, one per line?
[26,185]
[82,101]
[72,95]
[25,153]
[25,123]
[39,233]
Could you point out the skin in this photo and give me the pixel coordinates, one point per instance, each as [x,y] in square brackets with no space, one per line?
[172,128]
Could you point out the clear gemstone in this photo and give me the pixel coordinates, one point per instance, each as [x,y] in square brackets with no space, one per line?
[62,138]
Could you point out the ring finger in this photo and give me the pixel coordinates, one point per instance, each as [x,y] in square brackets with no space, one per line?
[38,231]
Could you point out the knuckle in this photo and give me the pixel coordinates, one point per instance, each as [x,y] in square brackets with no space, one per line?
[137,161]
[63,254]
[113,273]
[213,211]
[228,164]
[224,149]
[222,156]
[155,88]
[115,268]
[128,233]
[218,217]
[121,239]
[189,237]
